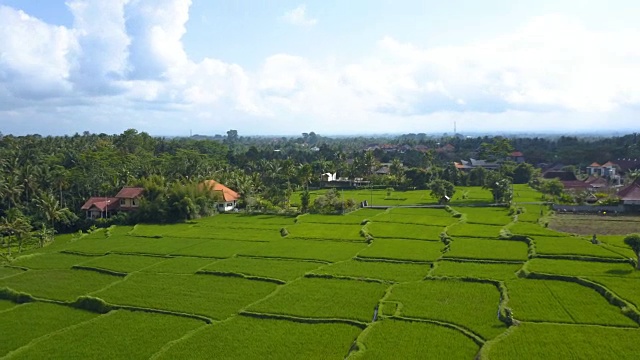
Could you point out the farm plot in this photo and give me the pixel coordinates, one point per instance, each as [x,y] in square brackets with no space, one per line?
[307,249]
[408,250]
[377,270]
[394,339]
[468,304]
[560,341]
[217,297]
[158,231]
[325,298]
[285,270]
[163,246]
[180,265]
[485,249]
[626,288]
[405,231]
[111,337]
[7,271]
[326,232]
[474,230]
[246,219]
[428,212]
[582,268]
[249,338]
[122,263]
[50,261]
[468,269]
[64,285]
[217,248]
[393,217]
[571,246]
[533,230]
[487,216]
[532,213]
[525,193]
[101,245]
[24,323]
[330,219]
[6,304]
[564,302]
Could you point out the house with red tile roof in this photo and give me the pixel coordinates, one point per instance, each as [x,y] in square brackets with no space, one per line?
[517,156]
[127,199]
[630,195]
[228,198]
[608,169]
[100,207]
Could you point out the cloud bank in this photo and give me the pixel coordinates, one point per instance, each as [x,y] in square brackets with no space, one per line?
[123,64]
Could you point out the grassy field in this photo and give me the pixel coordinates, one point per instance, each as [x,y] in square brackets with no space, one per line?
[558,341]
[231,287]
[388,339]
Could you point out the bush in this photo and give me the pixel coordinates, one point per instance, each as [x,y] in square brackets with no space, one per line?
[92,304]
[284,232]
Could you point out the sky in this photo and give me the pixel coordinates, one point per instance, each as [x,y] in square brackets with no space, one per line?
[175,67]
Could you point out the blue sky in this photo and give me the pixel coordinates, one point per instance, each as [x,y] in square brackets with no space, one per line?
[334,67]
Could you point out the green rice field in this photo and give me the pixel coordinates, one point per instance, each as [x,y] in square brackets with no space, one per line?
[407,283]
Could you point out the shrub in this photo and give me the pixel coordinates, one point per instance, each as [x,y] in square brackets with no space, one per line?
[284,232]
[92,304]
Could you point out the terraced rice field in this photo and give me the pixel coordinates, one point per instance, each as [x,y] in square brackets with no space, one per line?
[231,287]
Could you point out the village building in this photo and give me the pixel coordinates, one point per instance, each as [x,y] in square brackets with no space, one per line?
[228,198]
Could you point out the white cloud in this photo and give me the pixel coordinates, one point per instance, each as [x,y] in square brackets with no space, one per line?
[125,59]
[298,16]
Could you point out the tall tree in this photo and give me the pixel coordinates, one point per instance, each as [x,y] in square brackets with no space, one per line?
[633,241]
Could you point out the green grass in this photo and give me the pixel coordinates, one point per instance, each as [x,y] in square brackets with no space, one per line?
[626,288]
[217,248]
[524,193]
[285,270]
[325,298]
[411,250]
[241,219]
[217,297]
[582,268]
[322,231]
[64,285]
[6,304]
[533,230]
[559,301]
[425,212]
[7,271]
[554,341]
[476,270]
[111,337]
[249,338]
[571,246]
[392,217]
[307,249]
[485,249]
[222,230]
[532,213]
[474,230]
[377,270]
[389,339]
[471,305]
[331,219]
[27,322]
[123,263]
[162,246]
[487,216]
[50,261]
[405,231]
[180,265]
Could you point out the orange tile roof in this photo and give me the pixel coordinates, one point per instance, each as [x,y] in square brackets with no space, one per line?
[595,164]
[608,163]
[227,194]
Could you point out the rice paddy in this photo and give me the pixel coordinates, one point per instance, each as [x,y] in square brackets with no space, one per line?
[394,286]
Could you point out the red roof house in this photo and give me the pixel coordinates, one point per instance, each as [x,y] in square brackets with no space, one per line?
[630,195]
[129,198]
[97,207]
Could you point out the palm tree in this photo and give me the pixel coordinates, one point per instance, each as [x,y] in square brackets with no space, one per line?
[51,210]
